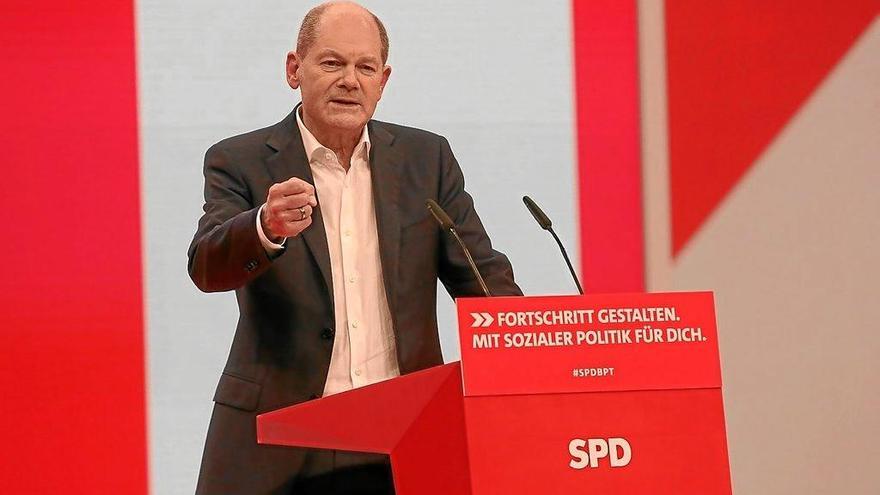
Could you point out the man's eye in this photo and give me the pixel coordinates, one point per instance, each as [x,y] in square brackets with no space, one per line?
[330,63]
[369,69]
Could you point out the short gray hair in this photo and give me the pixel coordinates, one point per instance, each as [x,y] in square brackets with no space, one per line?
[308,30]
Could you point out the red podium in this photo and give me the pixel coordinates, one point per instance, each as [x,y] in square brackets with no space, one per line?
[616,393]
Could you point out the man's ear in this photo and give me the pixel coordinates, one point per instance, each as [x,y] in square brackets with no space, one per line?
[386,73]
[294,62]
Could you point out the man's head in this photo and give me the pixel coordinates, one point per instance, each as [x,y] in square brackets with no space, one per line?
[339,67]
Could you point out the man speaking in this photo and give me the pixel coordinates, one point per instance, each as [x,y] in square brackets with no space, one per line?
[319,224]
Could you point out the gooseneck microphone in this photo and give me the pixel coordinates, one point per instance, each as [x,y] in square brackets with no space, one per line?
[446,223]
[545,223]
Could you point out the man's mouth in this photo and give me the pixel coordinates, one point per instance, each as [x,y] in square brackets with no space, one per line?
[344,101]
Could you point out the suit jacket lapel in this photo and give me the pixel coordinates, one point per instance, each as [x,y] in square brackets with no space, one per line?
[291,161]
[385,165]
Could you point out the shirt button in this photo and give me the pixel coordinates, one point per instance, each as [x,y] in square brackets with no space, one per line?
[354,324]
[357,372]
[351,279]
[328,156]
[347,233]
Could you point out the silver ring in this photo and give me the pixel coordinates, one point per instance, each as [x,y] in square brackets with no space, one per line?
[302,213]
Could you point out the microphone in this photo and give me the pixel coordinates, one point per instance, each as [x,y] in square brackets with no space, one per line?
[446,223]
[545,223]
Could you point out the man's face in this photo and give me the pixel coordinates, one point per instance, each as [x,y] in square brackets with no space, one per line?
[341,76]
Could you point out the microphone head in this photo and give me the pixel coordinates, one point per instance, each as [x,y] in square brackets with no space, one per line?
[442,218]
[542,219]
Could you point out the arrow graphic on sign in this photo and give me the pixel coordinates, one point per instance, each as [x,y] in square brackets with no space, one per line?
[482,320]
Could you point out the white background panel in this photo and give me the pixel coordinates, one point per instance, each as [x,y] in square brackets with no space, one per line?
[494,77]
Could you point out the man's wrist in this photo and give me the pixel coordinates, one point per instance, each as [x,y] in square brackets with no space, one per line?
[270,245]
[266,230]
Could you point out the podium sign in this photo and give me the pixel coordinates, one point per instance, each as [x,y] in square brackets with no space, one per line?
[615,393]
[612,342]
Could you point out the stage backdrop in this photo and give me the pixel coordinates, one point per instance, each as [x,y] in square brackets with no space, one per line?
[679,145]
[761,133]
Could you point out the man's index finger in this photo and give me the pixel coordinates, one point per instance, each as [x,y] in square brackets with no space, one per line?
[295,185]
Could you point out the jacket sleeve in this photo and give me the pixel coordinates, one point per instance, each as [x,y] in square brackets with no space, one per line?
[226,252]
[455,273]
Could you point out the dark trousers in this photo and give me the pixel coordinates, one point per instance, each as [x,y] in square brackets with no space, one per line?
[330,472]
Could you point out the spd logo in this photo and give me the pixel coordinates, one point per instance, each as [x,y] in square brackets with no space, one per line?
[588,453]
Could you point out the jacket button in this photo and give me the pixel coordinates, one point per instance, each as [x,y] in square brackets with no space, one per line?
[327,333]
[314,396]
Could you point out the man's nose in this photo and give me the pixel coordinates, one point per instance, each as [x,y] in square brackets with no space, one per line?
[349,78]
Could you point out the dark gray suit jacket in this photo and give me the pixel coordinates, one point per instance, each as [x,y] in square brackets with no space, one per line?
[281,350]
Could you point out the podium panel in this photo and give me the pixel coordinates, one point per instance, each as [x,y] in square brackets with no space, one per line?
[672,443]
[616,393]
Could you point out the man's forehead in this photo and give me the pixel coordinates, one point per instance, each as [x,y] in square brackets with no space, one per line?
[347,32]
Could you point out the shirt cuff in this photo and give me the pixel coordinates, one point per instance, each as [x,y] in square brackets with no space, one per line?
[269,246]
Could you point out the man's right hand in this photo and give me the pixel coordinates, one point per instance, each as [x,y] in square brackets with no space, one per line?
[288,209]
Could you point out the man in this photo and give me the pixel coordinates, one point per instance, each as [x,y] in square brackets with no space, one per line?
[319,225]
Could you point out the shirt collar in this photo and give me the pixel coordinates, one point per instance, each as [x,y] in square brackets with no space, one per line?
[315,150]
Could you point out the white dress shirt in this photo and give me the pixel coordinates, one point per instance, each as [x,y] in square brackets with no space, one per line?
[364,349]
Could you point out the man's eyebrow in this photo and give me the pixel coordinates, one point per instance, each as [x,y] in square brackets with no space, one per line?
[324,52]
[369,58]
[329,51]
